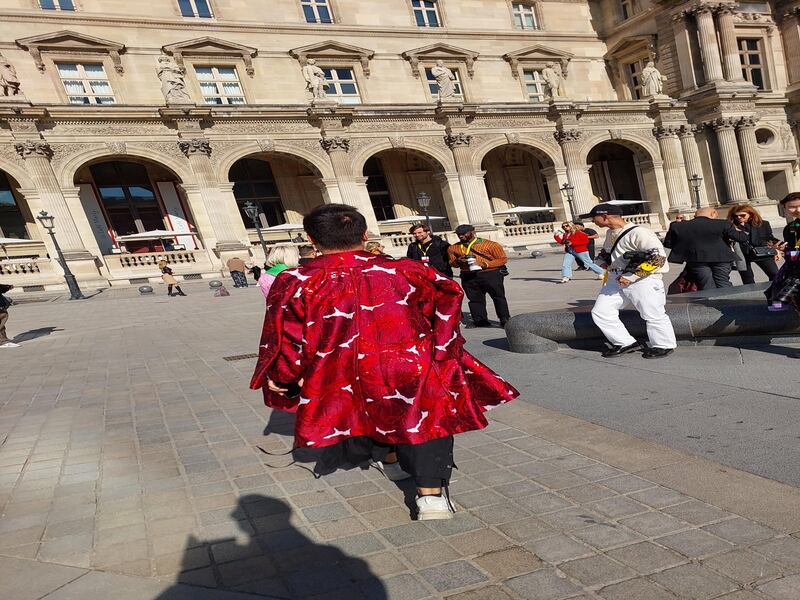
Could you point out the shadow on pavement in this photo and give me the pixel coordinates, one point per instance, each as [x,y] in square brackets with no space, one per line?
[499,343]
[276,561]
[32,334]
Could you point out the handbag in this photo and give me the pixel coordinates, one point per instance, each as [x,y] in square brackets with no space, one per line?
[762,252]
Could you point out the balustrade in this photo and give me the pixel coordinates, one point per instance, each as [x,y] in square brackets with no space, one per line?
[528,229]
[22,267]
[151,259]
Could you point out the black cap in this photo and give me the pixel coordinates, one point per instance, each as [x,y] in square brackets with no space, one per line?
[462,229]
[602,209]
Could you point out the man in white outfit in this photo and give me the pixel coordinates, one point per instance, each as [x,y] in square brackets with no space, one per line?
[636,260]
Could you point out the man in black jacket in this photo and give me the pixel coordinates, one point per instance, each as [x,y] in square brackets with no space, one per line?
[704,245]
[430,249]
[5,342]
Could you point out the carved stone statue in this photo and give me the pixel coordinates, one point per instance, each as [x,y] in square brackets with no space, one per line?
[652,81]
[445,80]
[173,84]
[8,78]
[316,83]
[554,80]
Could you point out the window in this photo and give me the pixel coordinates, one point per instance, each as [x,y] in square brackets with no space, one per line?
[752,65]
[342,85]
[433,87]
[316,11]
[426,13]
[524,16]
[86,83]
[128,197]
[378,190]
[56,5]
[254,182]
[12,224]
[628,8]
[634,73]
[535,86]
[195,8]
[220,85]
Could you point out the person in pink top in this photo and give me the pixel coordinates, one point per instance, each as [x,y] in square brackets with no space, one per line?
[280,258]
[576,245]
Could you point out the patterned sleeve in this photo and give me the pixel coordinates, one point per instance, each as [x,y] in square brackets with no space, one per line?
[447,297]
[280,351]
[648,241]
[653,263]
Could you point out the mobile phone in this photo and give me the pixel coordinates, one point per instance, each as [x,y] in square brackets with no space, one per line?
[292,389]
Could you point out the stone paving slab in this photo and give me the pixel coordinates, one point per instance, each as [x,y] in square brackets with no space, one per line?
[130,470]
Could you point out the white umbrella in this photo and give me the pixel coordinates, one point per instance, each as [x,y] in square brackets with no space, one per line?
[154,234]
[625,202]
[411,219]
[287,227]
[524,209]
[4,241]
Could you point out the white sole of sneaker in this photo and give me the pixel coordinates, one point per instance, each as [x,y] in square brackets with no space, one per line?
[434,515]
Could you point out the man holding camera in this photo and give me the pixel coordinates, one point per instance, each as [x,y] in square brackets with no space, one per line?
[482,263]
[636,260]
[785,288]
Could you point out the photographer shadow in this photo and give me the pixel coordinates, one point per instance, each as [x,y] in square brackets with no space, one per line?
[276,561]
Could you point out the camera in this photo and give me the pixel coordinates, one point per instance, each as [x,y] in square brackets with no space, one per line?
[789,291]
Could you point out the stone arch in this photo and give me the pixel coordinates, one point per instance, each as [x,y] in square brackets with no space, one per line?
[530,144]
[644,146]
[71,167]
[439,158]
[18,173]
[311,160]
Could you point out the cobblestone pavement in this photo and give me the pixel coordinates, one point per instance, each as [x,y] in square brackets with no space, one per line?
[129,469]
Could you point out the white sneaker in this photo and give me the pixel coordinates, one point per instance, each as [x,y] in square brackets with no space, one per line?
[392,471]
[565,280]
[600,277]
[430,508]
[9,345]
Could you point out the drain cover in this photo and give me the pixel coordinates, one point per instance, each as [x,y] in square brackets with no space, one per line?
[239,357]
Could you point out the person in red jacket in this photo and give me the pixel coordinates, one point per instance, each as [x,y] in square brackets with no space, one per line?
[368,353]
[576,245]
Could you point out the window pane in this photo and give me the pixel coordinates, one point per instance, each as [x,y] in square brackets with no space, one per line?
[74,87]
[186,8]
[204,73]
[420,17]
[348,88]
[344,74]
[433,20]
[213,100]
[203,9]
[232,89]
[111,194]
[324,15]
[758,80]
[100,87]
[208,89]
[47,4]
[105,100]
[227,73]
[66,5]
[66,70]
[308,13]
[94,70]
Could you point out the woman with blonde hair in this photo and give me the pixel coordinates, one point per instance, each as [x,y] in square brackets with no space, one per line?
[280,258]
[758,248]
[168,278]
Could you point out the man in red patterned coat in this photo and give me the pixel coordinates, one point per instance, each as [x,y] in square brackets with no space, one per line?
[374,345]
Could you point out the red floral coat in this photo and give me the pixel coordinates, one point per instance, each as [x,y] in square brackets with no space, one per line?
[378,346]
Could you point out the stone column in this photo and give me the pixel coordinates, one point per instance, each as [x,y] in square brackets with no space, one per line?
[674,168]
[709,49]
[337,149]
[731,161]
[730,49]
[228,236]
[577,171]
[37,154]
[790,33]
[751,161]
[473,189]
[691,160]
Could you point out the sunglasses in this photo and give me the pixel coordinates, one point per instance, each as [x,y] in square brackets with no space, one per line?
[741,215]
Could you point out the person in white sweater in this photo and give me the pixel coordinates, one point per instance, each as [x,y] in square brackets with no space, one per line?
[635,259]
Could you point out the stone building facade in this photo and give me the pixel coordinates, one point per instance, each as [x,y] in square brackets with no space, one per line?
[123,118]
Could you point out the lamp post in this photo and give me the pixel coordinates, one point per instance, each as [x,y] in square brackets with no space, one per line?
[424,201]
[696,181]
[46,219]
[251,210]
[568,193]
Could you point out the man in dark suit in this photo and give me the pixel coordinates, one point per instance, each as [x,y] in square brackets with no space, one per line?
[704,245]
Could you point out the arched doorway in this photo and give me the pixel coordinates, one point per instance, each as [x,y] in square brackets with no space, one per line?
[131,197]
[284,189]
[615,172]
[16,221]
[514,178]
[395,178]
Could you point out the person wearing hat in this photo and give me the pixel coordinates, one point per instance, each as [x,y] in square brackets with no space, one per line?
[482,263]
[636,260]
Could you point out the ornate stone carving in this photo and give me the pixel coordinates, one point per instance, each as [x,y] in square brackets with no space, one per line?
[568,135]
[117,147]
[266,145]
[195,146]
[9,80]
[619,118]
[744,122]
[457,139]
[666,131]
[173,84]
[723,123]
[397,141]
[689,130]
[259,127]
[513,138]
[334,144]
[33,148]
[616,134]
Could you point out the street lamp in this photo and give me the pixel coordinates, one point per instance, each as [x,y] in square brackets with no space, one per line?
[251,210]
[424,201]
[568,193]
[696,181]
[46,220]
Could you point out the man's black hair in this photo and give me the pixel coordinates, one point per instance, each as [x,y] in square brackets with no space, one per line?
[335,226]
[789,197]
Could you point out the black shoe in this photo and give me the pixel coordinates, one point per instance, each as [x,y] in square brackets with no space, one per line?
[620,350]
[503,323]
[657,352]
[476,324]
[582,269]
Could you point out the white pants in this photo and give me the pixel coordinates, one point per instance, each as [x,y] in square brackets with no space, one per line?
[648,297]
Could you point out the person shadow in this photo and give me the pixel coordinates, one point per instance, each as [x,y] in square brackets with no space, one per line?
[32,334]
[276,561]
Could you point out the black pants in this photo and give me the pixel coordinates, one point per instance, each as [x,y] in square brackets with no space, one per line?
[768,265]
[710,275]
[177,287]
[476,285]
[430,463]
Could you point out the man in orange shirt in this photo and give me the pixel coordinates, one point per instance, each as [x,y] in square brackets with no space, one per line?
[482,263]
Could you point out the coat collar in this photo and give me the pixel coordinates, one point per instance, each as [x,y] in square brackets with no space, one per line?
[353,258]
